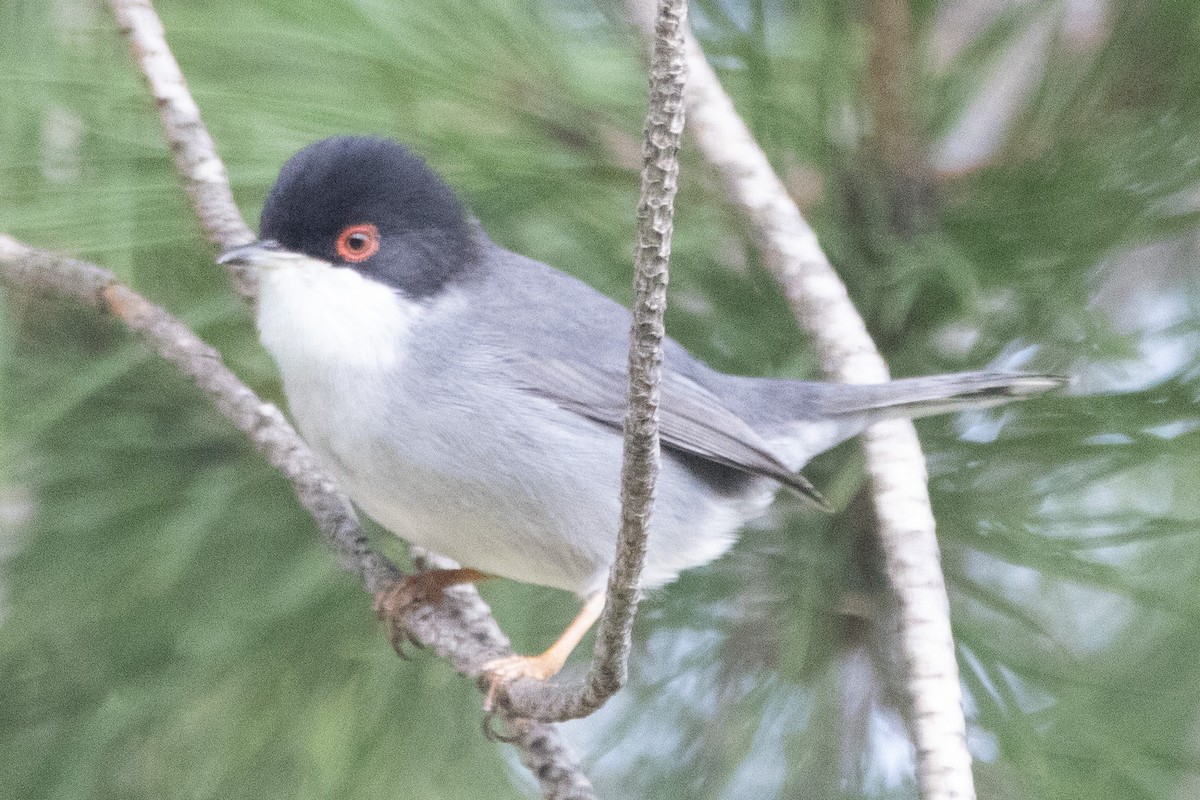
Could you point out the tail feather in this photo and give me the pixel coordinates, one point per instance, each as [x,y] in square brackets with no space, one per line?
[938,394]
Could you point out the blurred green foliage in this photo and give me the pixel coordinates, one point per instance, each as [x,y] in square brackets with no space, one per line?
[171,626]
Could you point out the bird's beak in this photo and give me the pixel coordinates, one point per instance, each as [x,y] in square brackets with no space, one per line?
[265,254]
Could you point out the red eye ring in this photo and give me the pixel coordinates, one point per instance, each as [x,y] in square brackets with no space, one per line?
[357,243]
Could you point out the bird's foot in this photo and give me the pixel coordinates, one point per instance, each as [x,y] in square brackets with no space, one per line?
[402,597]
[510,668]
[502,671]
[499,672]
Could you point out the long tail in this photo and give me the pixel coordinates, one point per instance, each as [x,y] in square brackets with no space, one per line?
[937,394]
[803,418]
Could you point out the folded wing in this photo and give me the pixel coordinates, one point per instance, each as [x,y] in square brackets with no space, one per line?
[691,418]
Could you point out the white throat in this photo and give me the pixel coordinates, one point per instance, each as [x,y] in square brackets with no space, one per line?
[314,316]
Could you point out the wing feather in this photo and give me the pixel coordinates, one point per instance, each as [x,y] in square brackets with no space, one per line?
[691,418]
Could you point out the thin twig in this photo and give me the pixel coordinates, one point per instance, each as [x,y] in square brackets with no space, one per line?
[894,461]
[460,628]
[196,157]
[639,469]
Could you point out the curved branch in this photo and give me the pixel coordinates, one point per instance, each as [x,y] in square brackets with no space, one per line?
[895,464]
[460,629]
[195,153]
[639,467]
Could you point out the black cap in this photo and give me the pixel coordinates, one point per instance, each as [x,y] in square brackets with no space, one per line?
[426,239]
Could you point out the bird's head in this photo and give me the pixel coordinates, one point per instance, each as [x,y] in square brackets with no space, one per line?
[365,204]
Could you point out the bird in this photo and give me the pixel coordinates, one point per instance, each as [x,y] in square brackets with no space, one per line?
[470,399]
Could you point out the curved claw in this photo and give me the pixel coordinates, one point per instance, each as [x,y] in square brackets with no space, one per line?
[390,606]
[393,603]
[489,730]
[400,637]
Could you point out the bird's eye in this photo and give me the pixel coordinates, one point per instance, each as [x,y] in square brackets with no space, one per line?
[358,242]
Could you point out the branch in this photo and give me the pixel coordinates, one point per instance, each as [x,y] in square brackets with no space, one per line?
[895,464]
[639,468]
[196,158]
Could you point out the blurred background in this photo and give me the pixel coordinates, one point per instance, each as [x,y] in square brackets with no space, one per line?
[1001,183]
